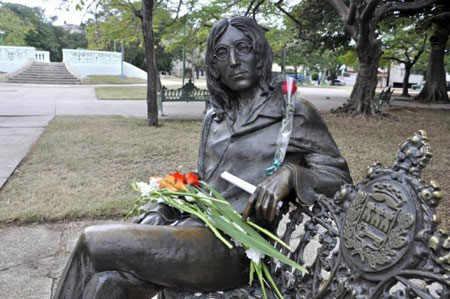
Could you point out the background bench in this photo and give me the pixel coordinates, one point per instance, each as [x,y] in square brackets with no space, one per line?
[187,93]
[383,98]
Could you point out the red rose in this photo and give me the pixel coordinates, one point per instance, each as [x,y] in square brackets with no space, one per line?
[284,87]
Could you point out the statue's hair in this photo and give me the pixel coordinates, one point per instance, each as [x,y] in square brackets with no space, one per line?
[221,95]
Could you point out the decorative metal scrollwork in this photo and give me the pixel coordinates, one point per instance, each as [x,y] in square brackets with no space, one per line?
[378,239]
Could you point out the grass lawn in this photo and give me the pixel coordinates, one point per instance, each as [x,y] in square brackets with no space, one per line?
[83,166]
[94,79]
[121,92]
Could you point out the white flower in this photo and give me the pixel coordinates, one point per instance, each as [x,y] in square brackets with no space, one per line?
[189,198]
[154,183]
[254,255]
[238,244]
[144,188]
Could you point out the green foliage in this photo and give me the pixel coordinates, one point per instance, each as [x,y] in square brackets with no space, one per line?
[321,25]
[404,43]
[26,26]
[117,22]
[315,76]
[349,59]
[15,29]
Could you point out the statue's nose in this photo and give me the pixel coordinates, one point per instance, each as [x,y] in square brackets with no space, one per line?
[233,59]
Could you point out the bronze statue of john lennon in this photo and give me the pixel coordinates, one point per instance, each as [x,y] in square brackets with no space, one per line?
[239,135]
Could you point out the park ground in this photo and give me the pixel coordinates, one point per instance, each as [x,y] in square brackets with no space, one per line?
[83,154]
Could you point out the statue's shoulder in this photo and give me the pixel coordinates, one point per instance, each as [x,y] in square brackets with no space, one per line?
[305,109]
[211,115]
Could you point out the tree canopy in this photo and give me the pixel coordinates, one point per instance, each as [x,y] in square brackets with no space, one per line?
[28,26]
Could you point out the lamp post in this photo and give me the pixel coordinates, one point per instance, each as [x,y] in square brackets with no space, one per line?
[122,50]
[1,36]
[184,55]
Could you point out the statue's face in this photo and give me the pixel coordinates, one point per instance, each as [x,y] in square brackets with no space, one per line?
[236,61]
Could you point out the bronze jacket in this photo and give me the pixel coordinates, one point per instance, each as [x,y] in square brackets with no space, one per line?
[247,150]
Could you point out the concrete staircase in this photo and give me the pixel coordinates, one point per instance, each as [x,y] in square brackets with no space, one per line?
[45,73]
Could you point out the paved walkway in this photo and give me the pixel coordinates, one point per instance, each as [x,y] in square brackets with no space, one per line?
[26,109]
[32,257]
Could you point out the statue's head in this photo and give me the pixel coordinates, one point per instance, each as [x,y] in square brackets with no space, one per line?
[238,59]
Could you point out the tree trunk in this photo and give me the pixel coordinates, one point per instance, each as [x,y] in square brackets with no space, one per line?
[147,29]
[435,89]
[408,67]
[361,98]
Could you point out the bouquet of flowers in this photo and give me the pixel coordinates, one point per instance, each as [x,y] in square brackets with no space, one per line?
[188,194]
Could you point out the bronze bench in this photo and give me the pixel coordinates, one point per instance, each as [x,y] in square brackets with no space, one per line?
[376,239]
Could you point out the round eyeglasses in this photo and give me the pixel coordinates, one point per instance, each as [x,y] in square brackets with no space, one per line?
[240,48]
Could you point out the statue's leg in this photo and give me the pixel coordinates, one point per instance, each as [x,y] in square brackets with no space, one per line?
[76,275]
[179,257]
[118,285]
[189,258]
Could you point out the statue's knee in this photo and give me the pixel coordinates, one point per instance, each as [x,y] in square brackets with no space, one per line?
[87,239]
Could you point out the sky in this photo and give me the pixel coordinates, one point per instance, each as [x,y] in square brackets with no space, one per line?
[65,13]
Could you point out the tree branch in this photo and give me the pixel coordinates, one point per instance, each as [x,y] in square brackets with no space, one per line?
[411,44]
[369,10]
[351,14]
[255,9]
[420,51]
[131,6]
[396,59]
[341,8]
[249,8]
[178,13]
[296,21]
[405,6]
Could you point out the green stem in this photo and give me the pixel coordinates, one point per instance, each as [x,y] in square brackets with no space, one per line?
[166,192]
[270,279]
[268,233]
[252,272]
[260,278]
[200,215]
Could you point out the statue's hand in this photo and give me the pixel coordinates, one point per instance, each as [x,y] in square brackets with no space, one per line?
[264,201]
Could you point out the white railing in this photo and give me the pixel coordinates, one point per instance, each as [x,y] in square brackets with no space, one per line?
[16,54]
[42,56]
[89,57]
[15,58]
[89,62]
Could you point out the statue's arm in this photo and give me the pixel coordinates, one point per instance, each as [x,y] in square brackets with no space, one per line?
[319,168]
[312,166]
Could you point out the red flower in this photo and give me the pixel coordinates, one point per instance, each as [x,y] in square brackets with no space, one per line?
[284,87]
[192,179]
[169,182]
[180,177]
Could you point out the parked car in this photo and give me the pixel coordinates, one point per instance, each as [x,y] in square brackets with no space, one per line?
[418,86]
[338,82]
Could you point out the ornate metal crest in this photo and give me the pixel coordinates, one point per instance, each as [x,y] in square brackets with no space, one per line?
[376,240]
